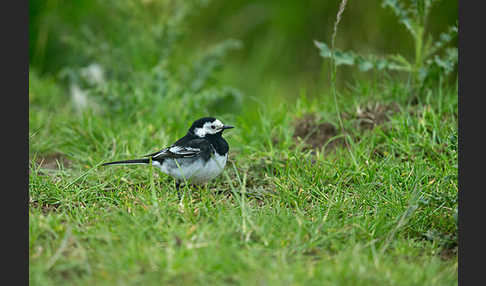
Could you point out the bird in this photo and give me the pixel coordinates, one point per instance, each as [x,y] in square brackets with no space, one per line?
[197,157]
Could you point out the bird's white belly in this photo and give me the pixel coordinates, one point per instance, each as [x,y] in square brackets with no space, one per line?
[194,171]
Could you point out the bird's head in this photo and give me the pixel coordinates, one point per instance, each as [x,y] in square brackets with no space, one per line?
[208,126]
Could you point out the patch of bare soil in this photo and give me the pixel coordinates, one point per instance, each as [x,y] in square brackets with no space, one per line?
[53,161]
[448,253]
[46,208]
[314,134]
[373,114]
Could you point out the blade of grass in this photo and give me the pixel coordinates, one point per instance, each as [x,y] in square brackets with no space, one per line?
[333,68]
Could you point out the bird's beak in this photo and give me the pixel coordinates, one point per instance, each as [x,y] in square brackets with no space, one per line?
[228,127]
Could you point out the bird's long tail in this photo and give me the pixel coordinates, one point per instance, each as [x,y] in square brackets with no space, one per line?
[135,161]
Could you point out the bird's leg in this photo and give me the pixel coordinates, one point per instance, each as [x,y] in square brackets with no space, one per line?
[178,184]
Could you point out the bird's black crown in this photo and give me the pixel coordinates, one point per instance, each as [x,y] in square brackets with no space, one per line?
[200,122]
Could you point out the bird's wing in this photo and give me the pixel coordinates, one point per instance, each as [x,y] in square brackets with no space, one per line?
[189,148]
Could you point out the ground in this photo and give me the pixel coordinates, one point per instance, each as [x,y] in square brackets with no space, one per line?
[297,204]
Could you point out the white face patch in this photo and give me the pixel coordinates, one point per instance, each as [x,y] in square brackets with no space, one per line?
[209,128]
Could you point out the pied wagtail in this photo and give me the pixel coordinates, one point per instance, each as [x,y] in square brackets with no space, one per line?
[197,157]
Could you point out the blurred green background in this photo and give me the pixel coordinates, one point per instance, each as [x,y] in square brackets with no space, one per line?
[116,79]
[273,55]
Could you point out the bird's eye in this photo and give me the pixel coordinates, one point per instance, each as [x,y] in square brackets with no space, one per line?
[212,126]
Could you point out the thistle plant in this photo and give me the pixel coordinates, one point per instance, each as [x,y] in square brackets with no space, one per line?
[433,58]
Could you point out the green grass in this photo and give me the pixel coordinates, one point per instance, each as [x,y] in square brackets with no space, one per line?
[279,215]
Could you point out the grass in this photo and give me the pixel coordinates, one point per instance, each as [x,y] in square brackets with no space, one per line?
[282,213]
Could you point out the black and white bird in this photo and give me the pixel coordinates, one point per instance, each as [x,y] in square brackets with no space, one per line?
[197,157]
